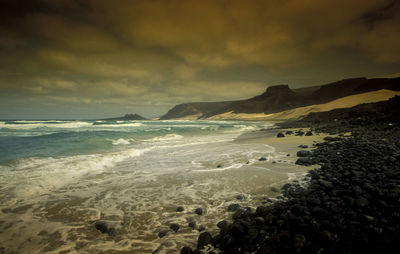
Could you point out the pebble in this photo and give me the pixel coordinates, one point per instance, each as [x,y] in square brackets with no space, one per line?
[198,211]
[174,227]
[163,233]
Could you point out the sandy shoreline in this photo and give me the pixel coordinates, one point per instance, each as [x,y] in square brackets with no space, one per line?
[289,143]
[351,201]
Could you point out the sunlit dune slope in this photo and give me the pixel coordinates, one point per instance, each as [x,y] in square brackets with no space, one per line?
[345,102]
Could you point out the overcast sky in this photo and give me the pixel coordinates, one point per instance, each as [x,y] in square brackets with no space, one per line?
[101,58]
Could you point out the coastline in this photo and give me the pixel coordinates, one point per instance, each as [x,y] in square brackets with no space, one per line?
[350,204]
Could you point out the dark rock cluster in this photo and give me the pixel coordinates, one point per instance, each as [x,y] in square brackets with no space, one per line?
[350,204]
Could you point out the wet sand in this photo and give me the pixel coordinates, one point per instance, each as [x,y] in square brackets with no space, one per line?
[288,144]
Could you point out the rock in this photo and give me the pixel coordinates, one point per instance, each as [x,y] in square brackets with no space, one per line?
[280,135]
[226,241]
[262,159]
[303,153]
[325,236]
[204,239]
[304,161]
[104,227]
[240,213]
[288,155]
[192,224]
[201,228]
[174,227]
[180,209]
[362,202]
[186,250]
[313,200]
[325,184]
[265,249]
[299,242]
[303,146]
[317,211]
[163,233]
[233,207]
[299,133]
[309,133]
[274,189]
[330,139]
[289,132]
[240,197]
[250,211]
[198,211]
[262,210]
[259,220]
[223,225]
[296,209]
[237,229]
[357,190]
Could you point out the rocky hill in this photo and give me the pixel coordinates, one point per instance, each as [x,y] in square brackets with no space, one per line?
[281,97]
[127,117]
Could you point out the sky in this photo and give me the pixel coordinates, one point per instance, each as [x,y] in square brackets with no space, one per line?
[87,59]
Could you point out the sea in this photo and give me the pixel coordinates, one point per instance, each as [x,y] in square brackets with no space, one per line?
[59,178]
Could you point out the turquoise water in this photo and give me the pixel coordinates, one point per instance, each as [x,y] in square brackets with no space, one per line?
[58,177]
[23,139]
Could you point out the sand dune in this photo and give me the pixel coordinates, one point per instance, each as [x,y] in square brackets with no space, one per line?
[345,102]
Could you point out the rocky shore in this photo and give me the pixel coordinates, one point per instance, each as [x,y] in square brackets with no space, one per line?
[350,203]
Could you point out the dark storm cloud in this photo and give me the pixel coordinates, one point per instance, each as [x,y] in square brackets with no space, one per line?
[388,11]
[149,55]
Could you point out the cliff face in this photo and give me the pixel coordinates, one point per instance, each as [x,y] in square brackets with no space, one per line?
[196,108]
[281,97]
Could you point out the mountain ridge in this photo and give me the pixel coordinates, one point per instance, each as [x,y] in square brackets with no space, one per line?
[280,98]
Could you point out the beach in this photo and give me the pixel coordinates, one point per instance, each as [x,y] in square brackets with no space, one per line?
[348,203]
[118,186]
[203,187]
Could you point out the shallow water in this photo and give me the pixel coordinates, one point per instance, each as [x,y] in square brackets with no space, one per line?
[58,177]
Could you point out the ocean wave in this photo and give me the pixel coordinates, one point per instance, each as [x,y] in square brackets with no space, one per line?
[26,125]
[242,128]
[116,124]
[34,125]
[43,175]
[166,137]
[121,141]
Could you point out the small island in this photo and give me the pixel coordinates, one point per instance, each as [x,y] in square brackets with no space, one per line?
[126,117]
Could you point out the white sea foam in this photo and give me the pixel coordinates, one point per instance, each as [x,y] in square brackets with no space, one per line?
[243,128]
[119,125]
[167,137]
[66,125]
[25,125]
[42,175]
[121,141]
